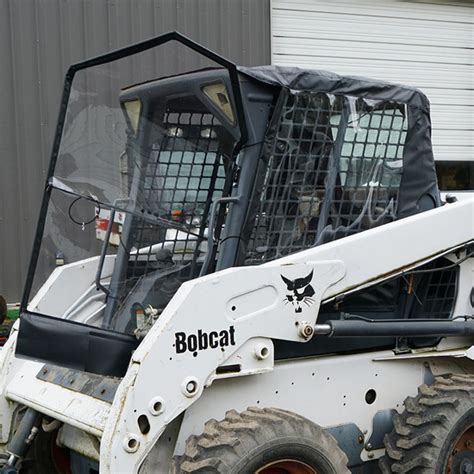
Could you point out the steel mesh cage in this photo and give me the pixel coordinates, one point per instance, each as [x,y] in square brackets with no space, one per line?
[184,173]
[184,169]
[437,293]
[333,168]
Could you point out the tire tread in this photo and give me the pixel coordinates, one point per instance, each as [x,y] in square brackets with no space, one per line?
[416,442]
[224,442]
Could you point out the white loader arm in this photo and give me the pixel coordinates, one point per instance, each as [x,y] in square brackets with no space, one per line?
[215,317]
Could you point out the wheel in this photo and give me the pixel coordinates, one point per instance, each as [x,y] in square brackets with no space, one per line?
[45,456]
[262,441]
[435,433]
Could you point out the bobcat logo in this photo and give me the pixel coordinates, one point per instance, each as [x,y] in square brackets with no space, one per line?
[299,291]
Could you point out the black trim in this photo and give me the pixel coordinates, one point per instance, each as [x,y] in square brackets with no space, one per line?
[74,345]
[47,194]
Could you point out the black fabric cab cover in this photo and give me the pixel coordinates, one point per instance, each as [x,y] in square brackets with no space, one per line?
[418,190]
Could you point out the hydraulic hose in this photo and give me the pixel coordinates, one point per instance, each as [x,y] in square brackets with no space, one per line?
[402,328]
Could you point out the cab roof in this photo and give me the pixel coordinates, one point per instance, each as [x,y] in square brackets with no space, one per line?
[298,79]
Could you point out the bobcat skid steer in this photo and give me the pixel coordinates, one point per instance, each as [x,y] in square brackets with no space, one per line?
[241,270]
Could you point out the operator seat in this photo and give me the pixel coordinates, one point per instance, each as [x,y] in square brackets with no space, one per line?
[301,180]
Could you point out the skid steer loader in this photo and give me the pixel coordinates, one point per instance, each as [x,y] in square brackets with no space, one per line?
[241,270]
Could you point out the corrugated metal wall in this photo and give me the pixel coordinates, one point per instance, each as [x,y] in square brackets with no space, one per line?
[425,44]
[39,39]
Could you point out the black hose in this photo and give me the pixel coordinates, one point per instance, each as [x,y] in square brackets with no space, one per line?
[25,433]
[405,328]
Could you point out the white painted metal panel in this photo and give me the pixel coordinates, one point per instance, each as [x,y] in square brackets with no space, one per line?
[388,8]
[428,45]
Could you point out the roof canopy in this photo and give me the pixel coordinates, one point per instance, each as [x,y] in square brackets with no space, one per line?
[324,81]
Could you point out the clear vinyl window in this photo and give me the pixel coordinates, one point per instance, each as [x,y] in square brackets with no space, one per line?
[139,165]
[333,168]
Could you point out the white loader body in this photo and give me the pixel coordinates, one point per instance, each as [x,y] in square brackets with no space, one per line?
[247,308]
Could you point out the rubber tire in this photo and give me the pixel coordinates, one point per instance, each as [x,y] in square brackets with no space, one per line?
[424,434]
[40,459]
[243,442]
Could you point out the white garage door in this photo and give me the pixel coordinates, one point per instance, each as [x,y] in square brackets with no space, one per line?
[427,45]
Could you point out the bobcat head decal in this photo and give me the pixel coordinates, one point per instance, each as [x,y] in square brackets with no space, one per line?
[299,291]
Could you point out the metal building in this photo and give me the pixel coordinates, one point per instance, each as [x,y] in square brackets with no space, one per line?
[39,39]
[427,44]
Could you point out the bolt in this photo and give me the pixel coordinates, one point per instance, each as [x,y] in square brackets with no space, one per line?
[360,439]
[191,386]
[468,443]
[306,330]
[368,446]
[370,455]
